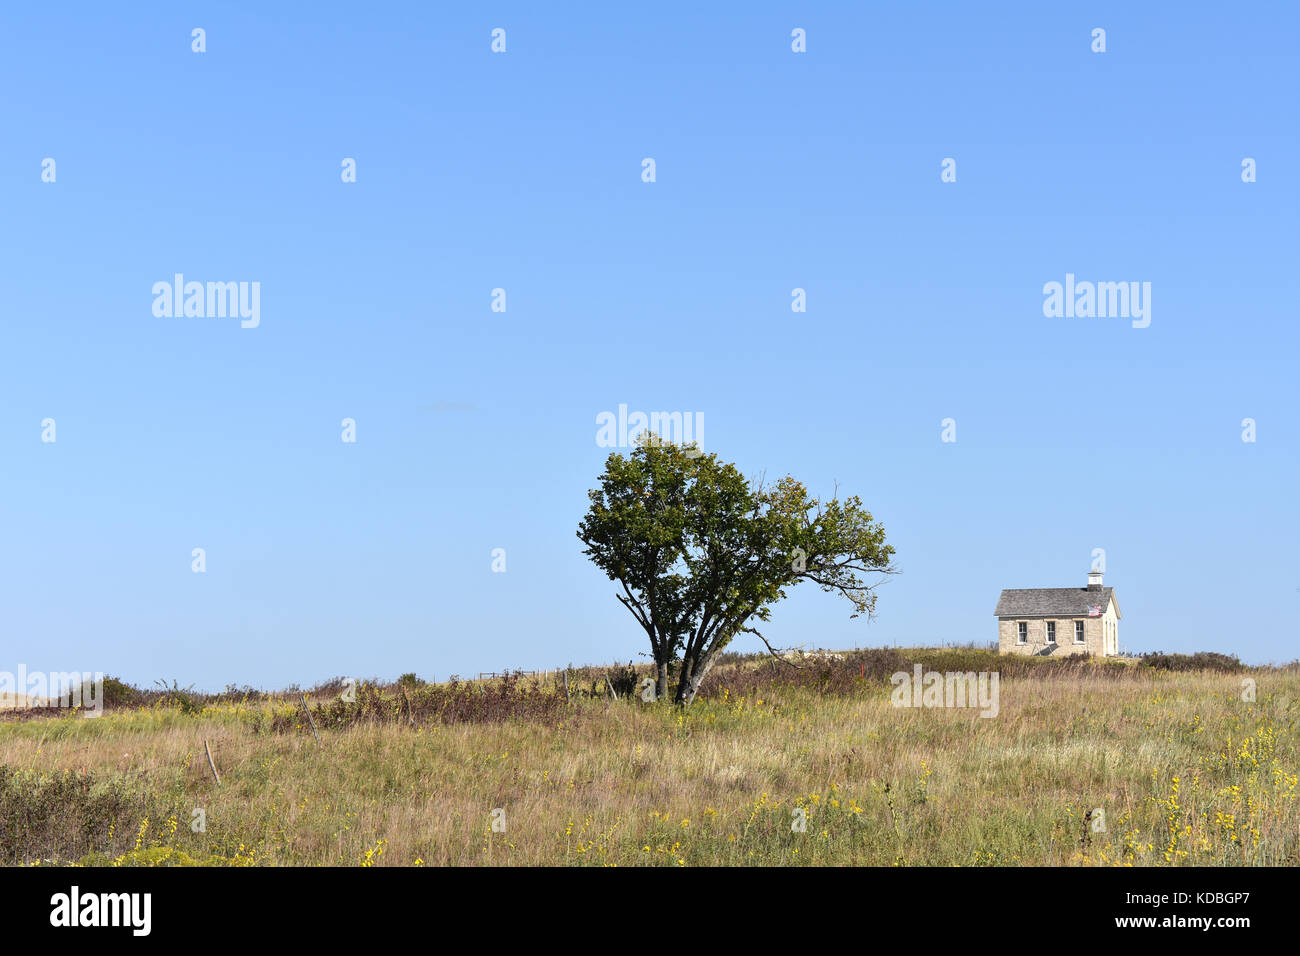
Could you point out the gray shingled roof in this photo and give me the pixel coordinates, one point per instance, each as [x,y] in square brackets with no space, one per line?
[1037,602]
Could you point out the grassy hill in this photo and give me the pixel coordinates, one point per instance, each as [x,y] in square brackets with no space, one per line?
[1184,770]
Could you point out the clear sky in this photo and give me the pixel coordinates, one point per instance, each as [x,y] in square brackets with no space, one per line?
[522,170]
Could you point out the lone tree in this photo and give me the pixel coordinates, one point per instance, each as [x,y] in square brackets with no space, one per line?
[701,556]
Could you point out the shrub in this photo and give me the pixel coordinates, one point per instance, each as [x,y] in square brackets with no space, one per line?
[1200,661]
[330,688]
[624,680]
[450,703]
[118,693]
[63,815]
[184,699]
[235,695]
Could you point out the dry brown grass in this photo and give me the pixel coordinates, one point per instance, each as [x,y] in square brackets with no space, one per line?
[1184,770]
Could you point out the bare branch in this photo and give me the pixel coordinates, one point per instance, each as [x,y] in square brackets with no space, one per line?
[770,649]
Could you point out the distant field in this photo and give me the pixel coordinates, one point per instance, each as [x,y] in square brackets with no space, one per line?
[1184,769]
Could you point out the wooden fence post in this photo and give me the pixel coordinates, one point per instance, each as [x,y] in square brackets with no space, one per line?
[211,762]
[311,720]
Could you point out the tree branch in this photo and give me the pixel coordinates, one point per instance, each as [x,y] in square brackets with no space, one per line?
[770,649]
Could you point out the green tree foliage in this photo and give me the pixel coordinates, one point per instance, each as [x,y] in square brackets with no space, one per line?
[700,554]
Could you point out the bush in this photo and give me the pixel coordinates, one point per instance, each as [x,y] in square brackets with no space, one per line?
[451,703]
[118,693]
[624,680]
[236,695]
[332,687]
[1200,661]
[64,815]
[184,699]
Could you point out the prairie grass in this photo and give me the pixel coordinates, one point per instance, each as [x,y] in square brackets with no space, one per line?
[1183,770]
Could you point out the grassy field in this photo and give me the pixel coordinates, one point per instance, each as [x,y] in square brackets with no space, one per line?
[1185,770]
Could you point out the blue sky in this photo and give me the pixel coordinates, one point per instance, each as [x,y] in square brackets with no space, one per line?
[476,429]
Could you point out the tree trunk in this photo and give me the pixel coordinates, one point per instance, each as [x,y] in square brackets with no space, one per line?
[693,674]
[696,679]
[684,679]
[661,679]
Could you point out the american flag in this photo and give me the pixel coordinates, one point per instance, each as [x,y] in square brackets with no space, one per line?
[1094,610]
